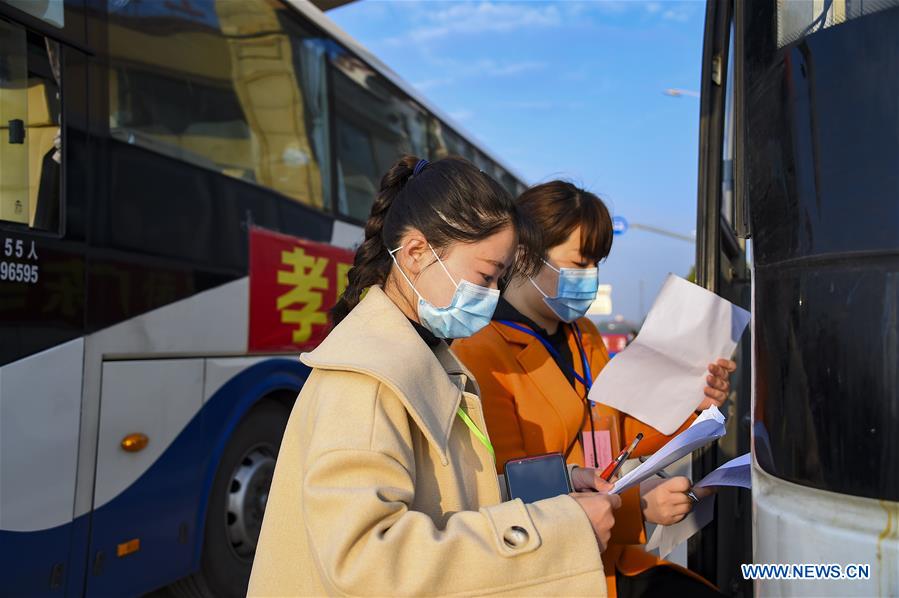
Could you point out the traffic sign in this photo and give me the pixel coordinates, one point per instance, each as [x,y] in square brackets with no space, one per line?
[619,225]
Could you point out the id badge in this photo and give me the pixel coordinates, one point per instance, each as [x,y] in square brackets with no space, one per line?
[602,440]
[604,436]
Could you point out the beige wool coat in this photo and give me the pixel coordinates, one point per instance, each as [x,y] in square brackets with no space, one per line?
[380,488]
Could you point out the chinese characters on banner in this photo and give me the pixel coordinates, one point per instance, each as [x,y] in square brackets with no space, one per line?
[293,284]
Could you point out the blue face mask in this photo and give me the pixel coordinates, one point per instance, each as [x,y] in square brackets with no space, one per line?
[470,310]
[575,294]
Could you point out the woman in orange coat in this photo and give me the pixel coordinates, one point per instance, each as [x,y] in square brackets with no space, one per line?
[532,363]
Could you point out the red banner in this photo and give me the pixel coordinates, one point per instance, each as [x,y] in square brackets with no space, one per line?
[293,284]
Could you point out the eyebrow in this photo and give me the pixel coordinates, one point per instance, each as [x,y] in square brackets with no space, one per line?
[499,265]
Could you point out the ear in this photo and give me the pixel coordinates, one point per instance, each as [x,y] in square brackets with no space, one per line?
[416,253]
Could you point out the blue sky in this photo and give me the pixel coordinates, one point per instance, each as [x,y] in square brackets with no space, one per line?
[572,90]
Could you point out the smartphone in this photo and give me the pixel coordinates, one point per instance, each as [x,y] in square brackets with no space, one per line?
[535,478]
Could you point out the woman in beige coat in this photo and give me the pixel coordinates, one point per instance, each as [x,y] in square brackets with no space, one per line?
[385,482]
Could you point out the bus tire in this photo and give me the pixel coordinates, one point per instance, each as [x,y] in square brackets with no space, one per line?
[235,505]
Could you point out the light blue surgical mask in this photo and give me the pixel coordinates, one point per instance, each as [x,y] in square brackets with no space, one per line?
[575,293]
[470,310]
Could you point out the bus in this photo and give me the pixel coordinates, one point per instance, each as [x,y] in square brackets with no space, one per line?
[181,185]
[798,217]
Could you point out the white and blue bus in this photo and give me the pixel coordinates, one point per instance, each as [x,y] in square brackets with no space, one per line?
[799,171]
[141,145]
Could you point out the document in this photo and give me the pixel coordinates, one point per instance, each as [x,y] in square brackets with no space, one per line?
[660,377]
[666,538]
[735,472]
[707,428]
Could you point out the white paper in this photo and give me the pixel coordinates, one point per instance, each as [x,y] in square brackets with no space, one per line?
[665,538]
[708,427]
[711,413]
[735,472]
[660,377]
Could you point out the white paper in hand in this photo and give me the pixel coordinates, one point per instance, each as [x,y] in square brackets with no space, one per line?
[665,538]
[735,472]
[659,379]
[708,427]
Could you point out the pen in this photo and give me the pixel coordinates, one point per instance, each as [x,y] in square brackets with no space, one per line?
[612,468]
[664,475]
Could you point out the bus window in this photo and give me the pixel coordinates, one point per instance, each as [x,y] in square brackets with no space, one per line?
[506,180]
[374,126]
[796,20]
[484,163]
[520,188]
[236,87]
[444,142]
[728,145]
[30,142]
[821,167]
[49,11]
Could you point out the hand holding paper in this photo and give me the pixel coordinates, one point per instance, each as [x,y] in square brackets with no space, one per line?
[736,472]
[659,378]
[708,427]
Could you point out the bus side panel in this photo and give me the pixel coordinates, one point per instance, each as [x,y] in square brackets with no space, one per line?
[164,506]
[40,401]
[829,528]
[156,398]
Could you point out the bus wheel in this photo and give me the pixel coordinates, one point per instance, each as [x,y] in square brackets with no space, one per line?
[236,504]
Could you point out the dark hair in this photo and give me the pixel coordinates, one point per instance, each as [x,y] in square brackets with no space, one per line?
[559,207]
[449,201]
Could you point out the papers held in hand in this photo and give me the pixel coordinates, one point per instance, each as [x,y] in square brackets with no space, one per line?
[659,378]
[736,472]
[708,427]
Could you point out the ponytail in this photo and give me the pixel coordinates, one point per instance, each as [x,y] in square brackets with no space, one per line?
[449,201]
[372,262]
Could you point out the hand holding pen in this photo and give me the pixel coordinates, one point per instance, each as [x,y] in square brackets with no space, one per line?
[670,499]
[587,478]
[664,475]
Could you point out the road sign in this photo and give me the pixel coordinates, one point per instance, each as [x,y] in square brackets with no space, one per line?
[619,225]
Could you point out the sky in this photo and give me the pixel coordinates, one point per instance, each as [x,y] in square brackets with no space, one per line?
[572,90]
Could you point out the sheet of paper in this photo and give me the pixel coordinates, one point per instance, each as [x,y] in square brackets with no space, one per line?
[708,427]
[712,413]
[660,377]
[665,538]
[736,472]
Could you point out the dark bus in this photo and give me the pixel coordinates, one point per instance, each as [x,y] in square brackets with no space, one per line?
[798,217]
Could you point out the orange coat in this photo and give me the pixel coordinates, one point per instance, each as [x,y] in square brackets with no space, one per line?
[531,409]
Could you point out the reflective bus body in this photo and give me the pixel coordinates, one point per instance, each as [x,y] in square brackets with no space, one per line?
[143,145]
[799,216]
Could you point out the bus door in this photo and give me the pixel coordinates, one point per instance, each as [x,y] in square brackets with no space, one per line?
[722,267]
[43,533]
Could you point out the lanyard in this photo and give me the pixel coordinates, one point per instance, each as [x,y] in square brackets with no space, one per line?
[586,381]
[474,430]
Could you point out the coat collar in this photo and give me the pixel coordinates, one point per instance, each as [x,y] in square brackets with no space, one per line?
[545,374]
[376,339]
[516,336]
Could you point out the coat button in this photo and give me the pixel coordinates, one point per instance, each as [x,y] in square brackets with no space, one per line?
[515,537]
